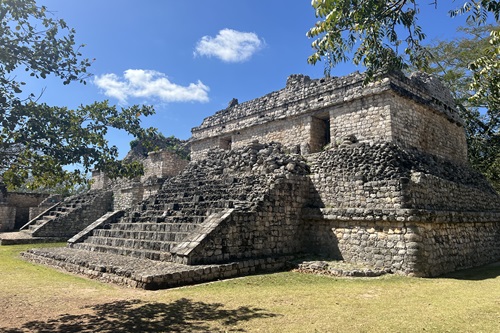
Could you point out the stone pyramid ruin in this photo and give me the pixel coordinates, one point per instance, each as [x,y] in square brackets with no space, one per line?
[373,174]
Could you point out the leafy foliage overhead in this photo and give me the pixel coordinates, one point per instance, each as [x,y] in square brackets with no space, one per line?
[36,140]
[379,34]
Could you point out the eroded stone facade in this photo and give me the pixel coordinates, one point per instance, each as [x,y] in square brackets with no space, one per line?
[371,174]
[308,114]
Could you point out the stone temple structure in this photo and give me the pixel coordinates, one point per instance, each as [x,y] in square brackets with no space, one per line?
[372,174]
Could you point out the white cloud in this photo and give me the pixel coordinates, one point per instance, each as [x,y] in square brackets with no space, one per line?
[230,45]
[140,83]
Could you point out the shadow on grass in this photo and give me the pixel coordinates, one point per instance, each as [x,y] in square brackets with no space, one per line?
[182,315]
[490,271]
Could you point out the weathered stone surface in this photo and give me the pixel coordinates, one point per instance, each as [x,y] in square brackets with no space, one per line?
[308,114]
[70,216]
[374,175]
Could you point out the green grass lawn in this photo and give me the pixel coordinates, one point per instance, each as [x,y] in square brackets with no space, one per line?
[34,298]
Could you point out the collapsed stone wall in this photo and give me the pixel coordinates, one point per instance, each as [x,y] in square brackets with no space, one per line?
[385,176]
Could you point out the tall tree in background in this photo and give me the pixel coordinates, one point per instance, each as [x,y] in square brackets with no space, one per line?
[451,61]
[385,36]
[36,140]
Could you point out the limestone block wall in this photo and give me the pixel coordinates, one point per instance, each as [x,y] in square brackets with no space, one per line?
[383,175]
[203,146]
[293,134]
[158,166]
[409,248]
[386,244]
[400,209]
[287,132]
[368,119]
[417,125]
[430,192]
[163,164]
[127,195]
[447,247]
[361,176]
[99,180]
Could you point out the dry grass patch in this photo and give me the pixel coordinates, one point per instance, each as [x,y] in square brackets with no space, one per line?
[39,299]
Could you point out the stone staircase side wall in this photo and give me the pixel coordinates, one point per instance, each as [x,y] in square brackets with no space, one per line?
[76,220]
[38,213]
[270,230]
[102,222]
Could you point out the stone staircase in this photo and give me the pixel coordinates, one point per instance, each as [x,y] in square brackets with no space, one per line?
[234,213]
[59,220]
[152,228]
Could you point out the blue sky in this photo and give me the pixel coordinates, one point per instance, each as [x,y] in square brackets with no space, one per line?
[190,58]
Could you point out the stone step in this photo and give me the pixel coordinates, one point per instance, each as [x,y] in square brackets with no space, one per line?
[190,208]
[162,217]
[183,216]
[157,227]
[143,254]
[169,236]
[138,244]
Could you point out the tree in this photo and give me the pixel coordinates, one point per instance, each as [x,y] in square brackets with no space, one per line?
[36,140]
[380,34]
[451,61]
